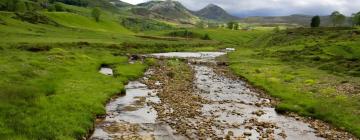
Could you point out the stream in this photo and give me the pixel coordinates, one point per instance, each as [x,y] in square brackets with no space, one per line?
[237,112]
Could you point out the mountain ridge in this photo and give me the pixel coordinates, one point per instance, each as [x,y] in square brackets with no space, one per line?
[214,12]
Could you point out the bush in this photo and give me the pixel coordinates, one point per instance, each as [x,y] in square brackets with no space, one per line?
[34,18]
[137,24]
[315,21]
[58,7]
[96,13]
[189,34]
[51,8]
[20,7]
[206,37]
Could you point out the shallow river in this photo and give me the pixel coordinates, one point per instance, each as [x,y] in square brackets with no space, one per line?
[236,110]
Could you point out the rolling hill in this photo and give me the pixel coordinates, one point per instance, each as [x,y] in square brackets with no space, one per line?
[167,10]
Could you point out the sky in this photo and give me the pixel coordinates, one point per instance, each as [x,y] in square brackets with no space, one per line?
[244,8]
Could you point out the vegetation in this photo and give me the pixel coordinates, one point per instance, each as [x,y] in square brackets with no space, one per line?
[50,54]
[308,70]
[58,90]
[337,18]
[356,19]
[315,21]
[233,25]
[58,7]
[189,34]
[138,25]
[20,6]
[96,13]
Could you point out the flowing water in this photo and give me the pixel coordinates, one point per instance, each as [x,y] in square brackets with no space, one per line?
[237,111]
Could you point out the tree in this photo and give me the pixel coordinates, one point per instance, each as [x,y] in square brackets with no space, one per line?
[232,25]
[236,26]
[20,7]
[43,3]
[58,7]
[96,13]
[11,4]
[206,37]
[337,18]
[315,21]
[356,19]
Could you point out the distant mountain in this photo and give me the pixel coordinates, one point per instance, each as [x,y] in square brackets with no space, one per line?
[303,20]
[167,10]
[120,4]
[214,12]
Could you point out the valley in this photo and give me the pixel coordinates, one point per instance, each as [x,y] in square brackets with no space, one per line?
[107,69]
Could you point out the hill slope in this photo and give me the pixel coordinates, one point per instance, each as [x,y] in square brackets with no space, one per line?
[214,12]
[169,10]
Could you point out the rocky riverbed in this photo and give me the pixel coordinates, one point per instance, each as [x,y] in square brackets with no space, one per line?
[192,100]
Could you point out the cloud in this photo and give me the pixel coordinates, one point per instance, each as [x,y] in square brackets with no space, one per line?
[275,7]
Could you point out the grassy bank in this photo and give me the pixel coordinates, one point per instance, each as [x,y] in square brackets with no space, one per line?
[314,72]
[55,90]
[57,93]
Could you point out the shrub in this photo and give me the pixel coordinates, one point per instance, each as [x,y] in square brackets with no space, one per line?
[34,18]
[20,7]
[206,37]
[58,7]
[315,21]
[138,24]
[96,13]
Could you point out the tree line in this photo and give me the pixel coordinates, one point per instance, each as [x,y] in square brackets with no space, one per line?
[337,19]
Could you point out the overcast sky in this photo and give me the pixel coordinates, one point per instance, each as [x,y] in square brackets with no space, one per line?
[274,7]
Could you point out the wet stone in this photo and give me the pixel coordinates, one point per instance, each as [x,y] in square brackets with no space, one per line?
[203,104]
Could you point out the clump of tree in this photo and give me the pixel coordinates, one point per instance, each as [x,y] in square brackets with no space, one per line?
[13,5]
[206,37]
[356,19]
[315,21]
[20,7]
[58,7]
[83,3]
[96,13]
[142,24]
[337,18]
[232,25]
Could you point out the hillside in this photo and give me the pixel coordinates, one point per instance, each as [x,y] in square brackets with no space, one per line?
[214,12]
[168,10]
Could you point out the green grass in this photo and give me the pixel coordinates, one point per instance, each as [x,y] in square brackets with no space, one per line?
[225,36]
[290,65]
[106,24]
[56,94]
[16,31]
